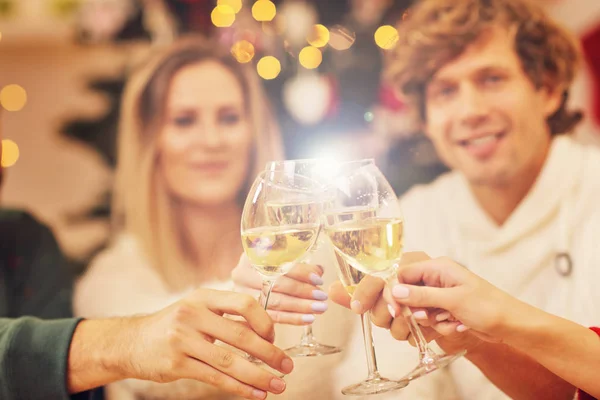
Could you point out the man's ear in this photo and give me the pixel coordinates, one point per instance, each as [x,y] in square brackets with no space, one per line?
[553,97]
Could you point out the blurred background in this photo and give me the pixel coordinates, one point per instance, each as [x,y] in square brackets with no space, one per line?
[63,65]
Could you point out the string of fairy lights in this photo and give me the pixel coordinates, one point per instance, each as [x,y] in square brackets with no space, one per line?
[317,40]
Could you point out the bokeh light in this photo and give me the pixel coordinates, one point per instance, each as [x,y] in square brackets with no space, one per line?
[242,51]
[222,16]
[268,67]
[236,5]
[341,38]
[264,10]
[386,37]
[10,153]
[310,57]
[318,36]
[13,97]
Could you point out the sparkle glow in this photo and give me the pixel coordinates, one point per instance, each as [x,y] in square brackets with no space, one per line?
[243,51]
[236,5]
[264,10]
[10,153]
[268,67]
[222,16]
[310,57]
[386,37]
[318,36]
[13,97]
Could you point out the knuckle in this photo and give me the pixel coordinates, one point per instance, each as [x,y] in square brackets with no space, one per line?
[183,312]
[223,359]
[275,302]
[246,303]
[241,333]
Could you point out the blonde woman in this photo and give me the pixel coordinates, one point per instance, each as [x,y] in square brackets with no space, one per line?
[195,129]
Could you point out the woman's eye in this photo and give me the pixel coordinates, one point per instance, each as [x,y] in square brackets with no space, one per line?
[230,119]
[184,121]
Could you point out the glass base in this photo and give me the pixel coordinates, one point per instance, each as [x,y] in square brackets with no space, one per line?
[374,386]
[433,364]
[311,349]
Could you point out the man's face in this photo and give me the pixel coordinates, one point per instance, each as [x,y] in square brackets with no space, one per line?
[485,117]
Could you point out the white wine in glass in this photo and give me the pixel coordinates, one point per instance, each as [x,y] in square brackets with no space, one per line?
[274,244]
[350,278]
[374,243]
[316,170]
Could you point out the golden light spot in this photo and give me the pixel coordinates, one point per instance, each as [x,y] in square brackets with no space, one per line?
[236,5]
[310,57]
[268,67]
[0,35]
[242,51]
[341,38]
[264,10]
[318,36]
[222,16]
[10,153]
[386,37]
[13,97]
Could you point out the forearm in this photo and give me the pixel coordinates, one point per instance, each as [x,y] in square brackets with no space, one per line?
[517,374]
[569,350]
[98,353]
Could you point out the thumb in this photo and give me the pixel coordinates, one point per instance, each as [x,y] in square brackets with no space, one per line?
[339,295]
[423,296]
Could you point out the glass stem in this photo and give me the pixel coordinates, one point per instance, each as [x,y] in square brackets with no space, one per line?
[307,335]
[426,355]
[263,300]
[365,321]
[265,293]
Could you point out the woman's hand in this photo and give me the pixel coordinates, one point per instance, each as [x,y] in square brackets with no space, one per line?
[296,296]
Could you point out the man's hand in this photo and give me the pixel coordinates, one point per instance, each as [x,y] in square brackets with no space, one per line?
[177,343]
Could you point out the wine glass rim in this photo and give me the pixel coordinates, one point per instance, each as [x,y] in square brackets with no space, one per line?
[316,187]
[316,161]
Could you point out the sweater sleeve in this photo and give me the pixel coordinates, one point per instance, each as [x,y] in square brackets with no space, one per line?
[33,358]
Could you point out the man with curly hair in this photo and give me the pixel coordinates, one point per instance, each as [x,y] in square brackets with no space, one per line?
[491,79]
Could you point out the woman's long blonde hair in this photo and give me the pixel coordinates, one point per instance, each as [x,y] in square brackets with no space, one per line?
[141,204]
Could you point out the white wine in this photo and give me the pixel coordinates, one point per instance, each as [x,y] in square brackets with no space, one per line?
[294,213]
[274,250]
[349,276]
[373,245]
[349,214]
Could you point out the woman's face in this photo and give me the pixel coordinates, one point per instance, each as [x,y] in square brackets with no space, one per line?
[204,144]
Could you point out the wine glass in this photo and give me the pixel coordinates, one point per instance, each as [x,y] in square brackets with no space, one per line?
[316,170]
[372,241]
[280,223]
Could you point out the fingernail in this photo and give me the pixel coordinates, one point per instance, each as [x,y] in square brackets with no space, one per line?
[277,385]
[308,318]
[316,279]
[287,365]
[420,314]
[400,292]
[442,316]
[462,328]
[356,306]
[319,295]
[259,394]
[319,307]
[392,311]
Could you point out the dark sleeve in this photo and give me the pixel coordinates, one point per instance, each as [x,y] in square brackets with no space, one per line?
[42,285]
[33,358]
